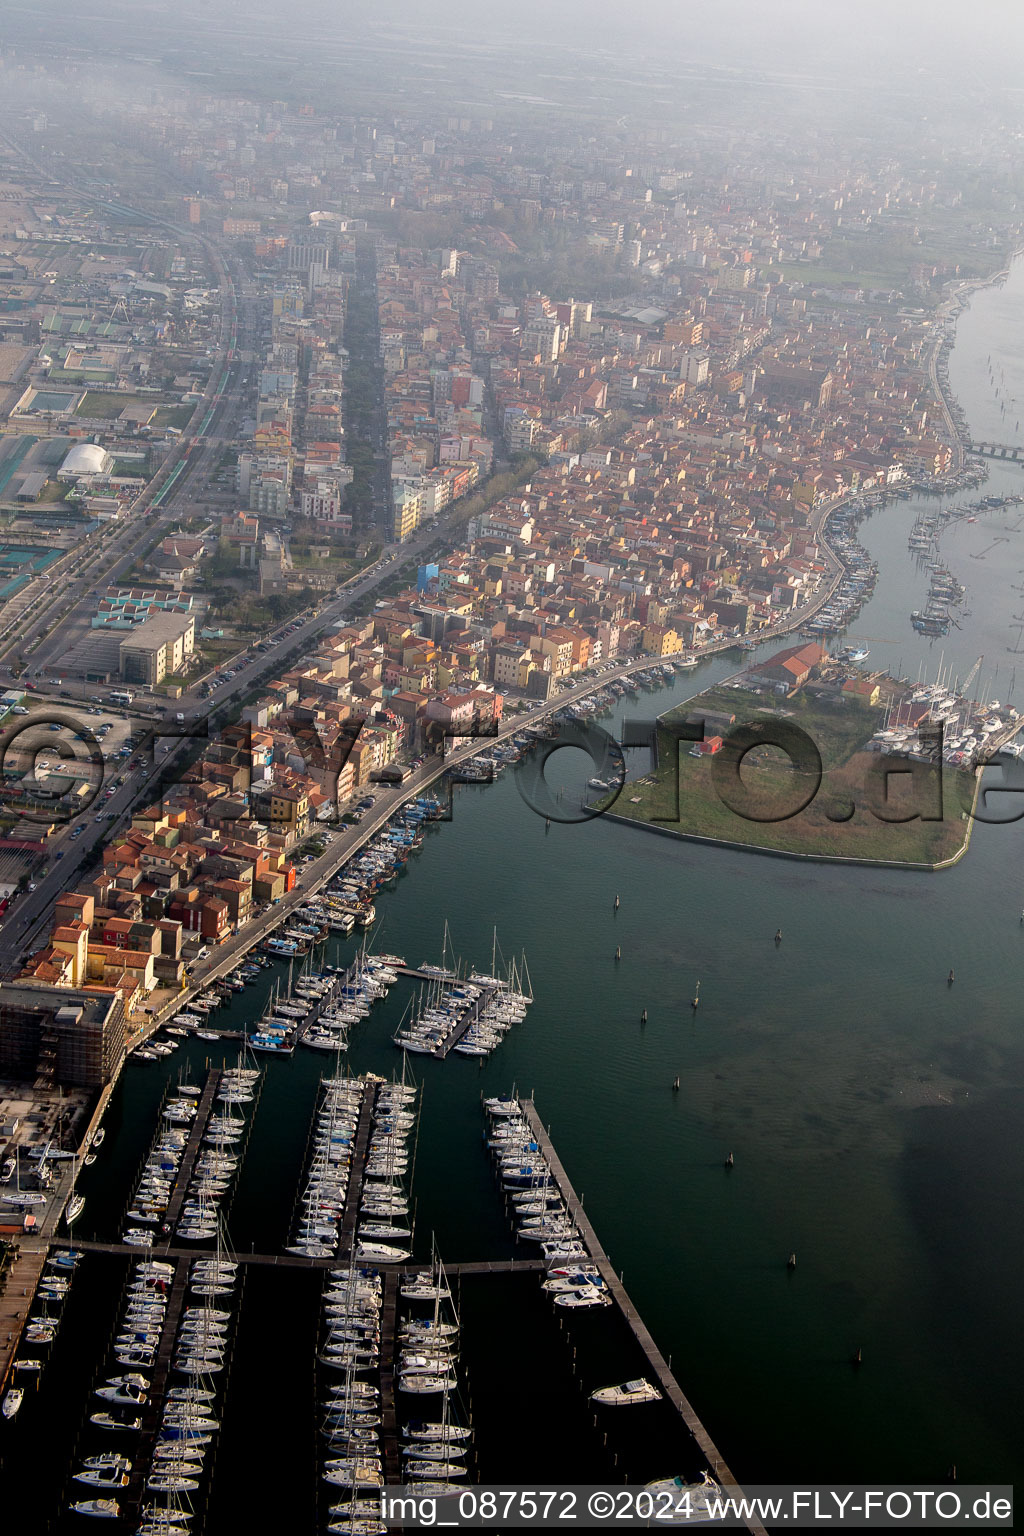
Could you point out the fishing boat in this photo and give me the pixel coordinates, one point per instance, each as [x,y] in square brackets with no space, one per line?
[627,1394]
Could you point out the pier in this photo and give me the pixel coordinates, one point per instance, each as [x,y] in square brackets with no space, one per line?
[22,1276]
[388,1411]
[468,1016]
[656,1361]
[195,1137]
[329,1000]
[291,1260]
[357,1170]
[24,1270]
[182,1256]
[153,1408]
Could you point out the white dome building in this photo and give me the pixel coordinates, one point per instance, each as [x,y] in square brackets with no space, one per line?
[86,461]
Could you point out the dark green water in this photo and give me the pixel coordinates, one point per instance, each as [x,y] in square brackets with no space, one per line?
[873,1113]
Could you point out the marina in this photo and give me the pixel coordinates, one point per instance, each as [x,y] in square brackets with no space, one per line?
[900,1085]
[167,1406]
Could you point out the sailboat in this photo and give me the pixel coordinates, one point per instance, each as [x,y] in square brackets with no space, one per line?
[76,1202]
[425,1372]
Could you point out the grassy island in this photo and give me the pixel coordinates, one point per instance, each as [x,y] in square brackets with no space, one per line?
[748,797]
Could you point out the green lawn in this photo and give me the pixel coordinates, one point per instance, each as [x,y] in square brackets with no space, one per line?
[108,406]
[80,376]
[173,416]
[102,406]
[757,810]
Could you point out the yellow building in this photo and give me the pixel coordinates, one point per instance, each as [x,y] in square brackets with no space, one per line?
[658,641]
[290,807]
[72,939]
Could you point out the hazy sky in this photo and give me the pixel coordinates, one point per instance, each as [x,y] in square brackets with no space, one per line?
[970,45]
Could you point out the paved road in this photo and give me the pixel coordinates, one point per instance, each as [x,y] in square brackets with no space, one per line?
[28,922]
[109,551]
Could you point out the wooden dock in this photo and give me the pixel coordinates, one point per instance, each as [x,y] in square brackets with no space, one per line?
[656,1361]
[24,1270]
[168,1252]
[23,1274]
[357,1171]
[468,1016]
[470,1013]
[153,1408]
[195,1137]
[388,1411]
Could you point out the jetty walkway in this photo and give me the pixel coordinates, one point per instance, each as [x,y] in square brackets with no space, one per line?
[656,1361]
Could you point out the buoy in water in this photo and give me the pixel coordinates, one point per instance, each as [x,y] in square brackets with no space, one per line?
[778,936]
[616,906]
[675,1085]
[618,952]
[729,1161]
[951,977]
[858,1358]
[791,1261]
[643,1017]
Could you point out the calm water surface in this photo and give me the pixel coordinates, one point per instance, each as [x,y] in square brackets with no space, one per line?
[872,1110]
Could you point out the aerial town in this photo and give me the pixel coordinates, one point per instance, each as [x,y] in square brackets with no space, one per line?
[334,439]
[600,478]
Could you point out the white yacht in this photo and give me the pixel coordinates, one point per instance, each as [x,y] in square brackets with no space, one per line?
[586,1296]
[692,1503]
[108,1421]
[626,1394]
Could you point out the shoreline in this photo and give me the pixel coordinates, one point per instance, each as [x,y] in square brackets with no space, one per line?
[911,865]
[952,307]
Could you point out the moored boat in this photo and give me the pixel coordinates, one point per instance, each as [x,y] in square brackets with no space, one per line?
[626,1394]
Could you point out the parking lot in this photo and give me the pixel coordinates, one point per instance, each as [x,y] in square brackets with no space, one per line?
[52,750]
